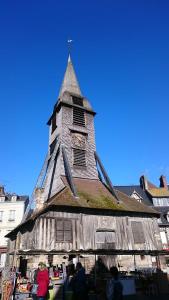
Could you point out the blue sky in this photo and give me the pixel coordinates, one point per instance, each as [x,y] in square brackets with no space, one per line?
[121,57]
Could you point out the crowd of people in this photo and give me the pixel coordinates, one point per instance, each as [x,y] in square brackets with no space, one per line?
[75,285]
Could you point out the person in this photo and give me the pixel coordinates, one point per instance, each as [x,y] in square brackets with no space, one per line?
[79,283]
[114,288]
[42,280]
[68,286]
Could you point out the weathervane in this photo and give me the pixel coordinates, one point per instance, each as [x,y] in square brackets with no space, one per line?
[69,43]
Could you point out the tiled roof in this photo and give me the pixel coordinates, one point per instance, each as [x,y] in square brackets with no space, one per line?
[128,190]
[151,185]
[158,192]
[92,194]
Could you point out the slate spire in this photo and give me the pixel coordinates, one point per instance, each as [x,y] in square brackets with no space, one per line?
[70,82]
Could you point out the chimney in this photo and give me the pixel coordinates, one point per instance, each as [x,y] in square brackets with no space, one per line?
[2,191]
[39,201]
[143,183]
[163,182]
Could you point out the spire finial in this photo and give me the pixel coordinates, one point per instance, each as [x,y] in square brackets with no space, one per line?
[69,44]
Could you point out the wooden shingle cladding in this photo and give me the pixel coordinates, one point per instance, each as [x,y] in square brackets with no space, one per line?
[89,232]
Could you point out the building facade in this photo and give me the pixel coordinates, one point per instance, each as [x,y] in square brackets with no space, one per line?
[12,208]
[156,197]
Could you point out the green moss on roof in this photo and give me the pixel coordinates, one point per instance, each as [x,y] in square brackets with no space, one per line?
[101,201]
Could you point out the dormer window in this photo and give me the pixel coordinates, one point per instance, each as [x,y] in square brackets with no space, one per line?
[136,196]
[53,122]
[77,100]
[78,116]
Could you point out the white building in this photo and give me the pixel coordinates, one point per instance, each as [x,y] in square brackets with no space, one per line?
[12,208]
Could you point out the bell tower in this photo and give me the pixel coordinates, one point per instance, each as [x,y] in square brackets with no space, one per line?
[71,138]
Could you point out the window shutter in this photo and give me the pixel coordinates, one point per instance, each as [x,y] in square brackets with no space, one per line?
[138,233]
[59,236]
[79,157]
[78,116]
[63,231]
[67,225]
[67,230]
[59,231]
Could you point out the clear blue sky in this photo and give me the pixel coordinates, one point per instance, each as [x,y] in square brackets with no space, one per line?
[121,57]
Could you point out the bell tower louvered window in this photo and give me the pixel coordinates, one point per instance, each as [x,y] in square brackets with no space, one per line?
[77,101]
[138,232]
[78,116]
[79,157]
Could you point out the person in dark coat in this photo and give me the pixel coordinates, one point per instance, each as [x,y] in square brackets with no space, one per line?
[79,283]
[42,280]
[114,288]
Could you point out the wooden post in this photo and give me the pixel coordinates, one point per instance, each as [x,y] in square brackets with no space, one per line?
[95,271]
[68,172]
[134,262]
[107,179]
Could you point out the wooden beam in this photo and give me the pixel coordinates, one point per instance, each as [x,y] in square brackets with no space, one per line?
[68,172]
[106,177]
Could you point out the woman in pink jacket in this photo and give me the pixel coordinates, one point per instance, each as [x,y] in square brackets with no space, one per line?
[42,280]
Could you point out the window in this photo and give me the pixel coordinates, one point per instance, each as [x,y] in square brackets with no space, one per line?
[11,215]
[163,237]
[77,101]
[63,231]
[79,157]
[78,116]
[52,146]
[167,216]
[53,122]
[105,238]
[136,196]
[161,201]
[2,198]
[1,216]
[138,233]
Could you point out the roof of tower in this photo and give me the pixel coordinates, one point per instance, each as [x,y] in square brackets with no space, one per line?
[70,89]
[70,82]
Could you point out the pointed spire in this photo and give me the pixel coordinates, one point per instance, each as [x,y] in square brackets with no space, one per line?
[70,82]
